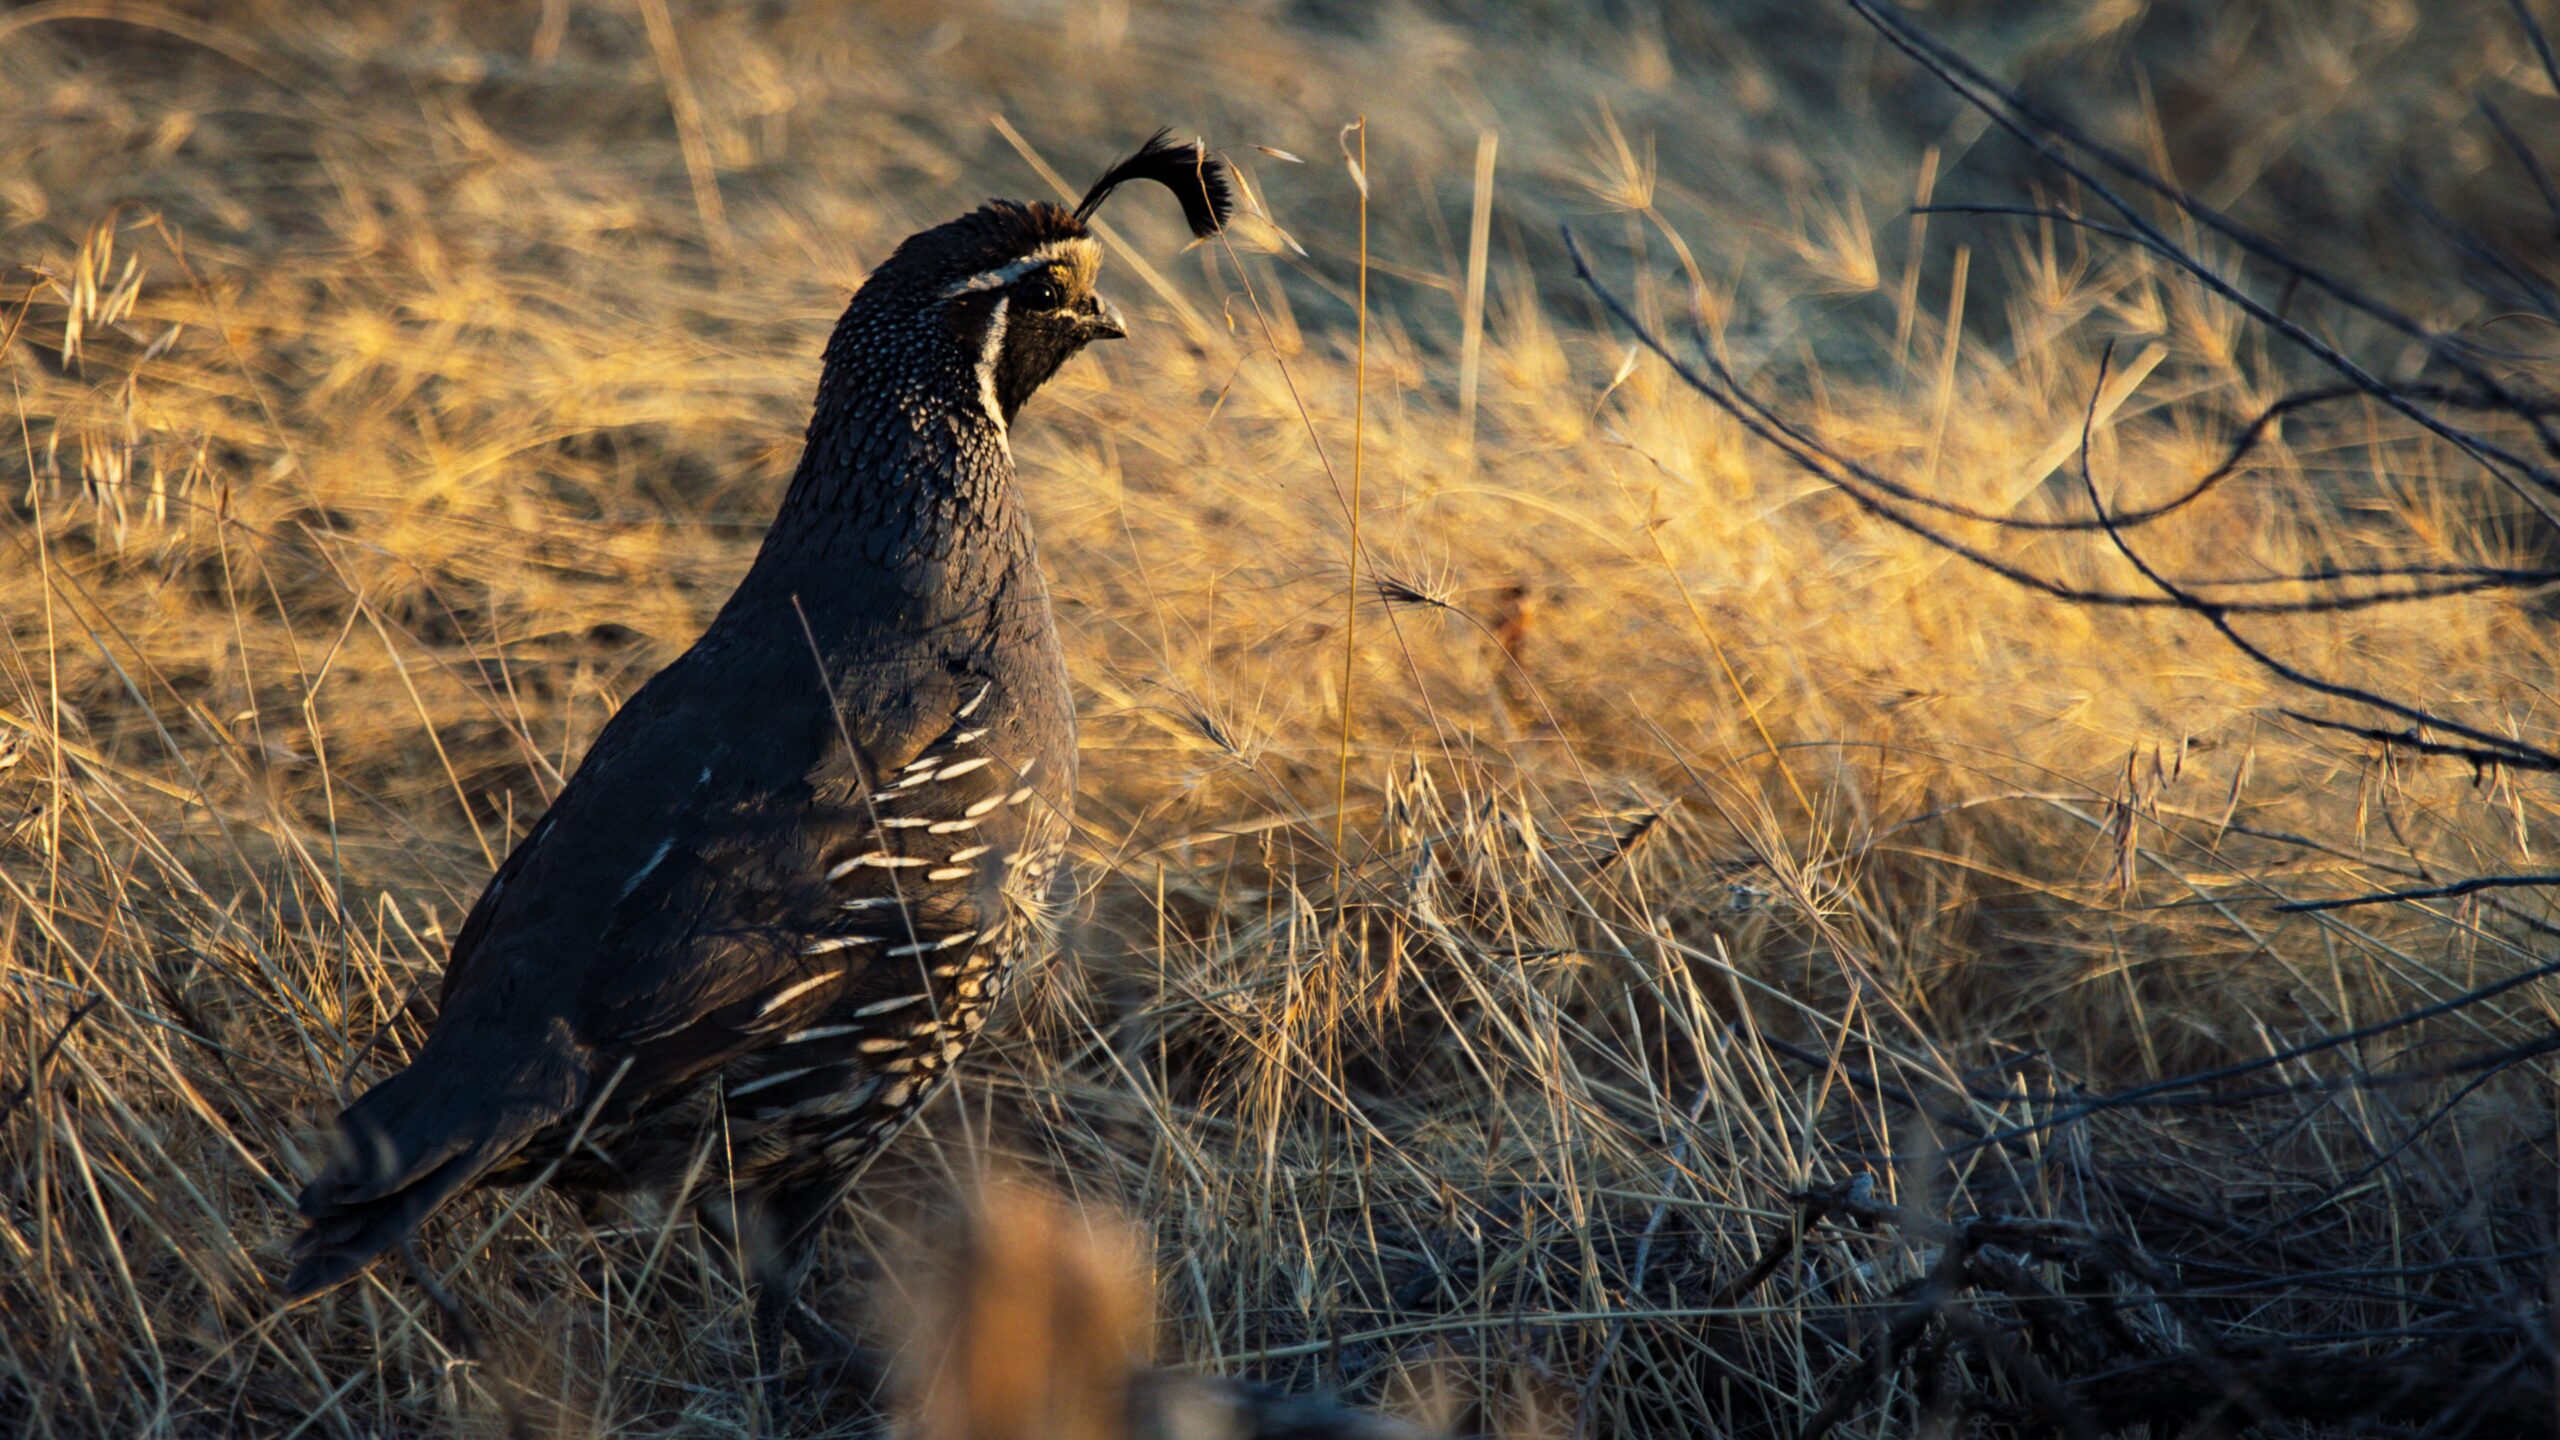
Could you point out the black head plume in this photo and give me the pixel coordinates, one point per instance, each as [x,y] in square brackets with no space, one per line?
[1197,178]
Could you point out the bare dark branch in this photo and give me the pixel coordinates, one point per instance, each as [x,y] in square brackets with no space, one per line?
[2530,163]
[2541,42]
[2472,886]
[2048,135]
[1865,488]
[2418,742]
[2218,615]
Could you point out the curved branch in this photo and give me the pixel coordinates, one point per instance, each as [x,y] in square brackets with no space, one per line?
[2040,130]
[2218,615]
[2432,892]
[1866,489]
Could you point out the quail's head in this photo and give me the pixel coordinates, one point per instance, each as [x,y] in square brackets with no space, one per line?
[1012,285]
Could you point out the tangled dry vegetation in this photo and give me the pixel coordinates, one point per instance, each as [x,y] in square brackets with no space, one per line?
[1759,971]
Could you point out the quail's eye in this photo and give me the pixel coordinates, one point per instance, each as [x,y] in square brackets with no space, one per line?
[1044,295]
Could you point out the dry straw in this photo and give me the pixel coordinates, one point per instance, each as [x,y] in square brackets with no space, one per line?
[1812,877]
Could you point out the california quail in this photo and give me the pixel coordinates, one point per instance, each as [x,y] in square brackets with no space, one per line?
[775,902]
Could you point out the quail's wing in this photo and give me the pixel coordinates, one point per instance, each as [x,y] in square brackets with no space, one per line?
[889,889]
[727,862]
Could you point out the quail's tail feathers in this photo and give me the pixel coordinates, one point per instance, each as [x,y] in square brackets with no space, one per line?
[420,1138]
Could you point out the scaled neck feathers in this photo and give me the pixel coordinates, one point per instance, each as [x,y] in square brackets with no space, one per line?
[903,499]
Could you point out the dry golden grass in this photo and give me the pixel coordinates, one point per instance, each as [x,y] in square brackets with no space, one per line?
[393,394]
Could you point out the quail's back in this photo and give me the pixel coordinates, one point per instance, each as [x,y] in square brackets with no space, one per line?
[788,882]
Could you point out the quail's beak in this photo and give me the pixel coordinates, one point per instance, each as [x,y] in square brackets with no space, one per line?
[1105,322]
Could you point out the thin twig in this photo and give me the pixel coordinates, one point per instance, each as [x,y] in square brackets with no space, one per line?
[1351,591]
[2218,613]
[2046,134]
[1644,1260]
[27,1088]
[2433,892]
[1857,483]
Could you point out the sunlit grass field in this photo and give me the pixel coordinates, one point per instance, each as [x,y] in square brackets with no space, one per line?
[1488,929]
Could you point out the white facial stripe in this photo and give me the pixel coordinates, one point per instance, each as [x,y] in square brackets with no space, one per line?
[995,279]
[991,351]
[1012,270]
